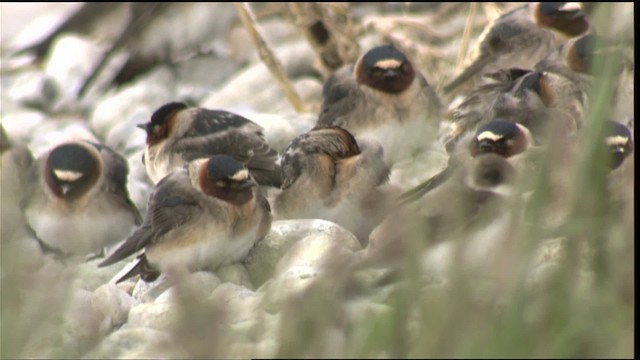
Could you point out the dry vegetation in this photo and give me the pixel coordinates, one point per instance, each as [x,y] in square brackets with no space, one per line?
[585,308]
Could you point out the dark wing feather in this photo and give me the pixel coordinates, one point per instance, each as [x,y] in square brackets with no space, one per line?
[221,132]
[340,94]
[500,39]
[142,268]
[428,185]
[172,203]
[116,171]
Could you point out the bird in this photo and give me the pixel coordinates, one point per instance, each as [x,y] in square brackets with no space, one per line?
[619,141]
[178,134]
[468,200]
[15,161]
[621,178]
[78,200]
[328,174]
[522,37]
[205,214]
[574,61]
[542,101]
[383,97]
[510,140]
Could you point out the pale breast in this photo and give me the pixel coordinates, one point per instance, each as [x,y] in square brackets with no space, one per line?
[205,244]
[80,233]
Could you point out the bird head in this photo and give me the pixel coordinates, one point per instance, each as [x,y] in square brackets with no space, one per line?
[72,169]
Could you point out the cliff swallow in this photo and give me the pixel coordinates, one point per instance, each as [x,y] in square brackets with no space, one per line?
[478,186]
[522,37]
[384,97]
[621,178]
[15,162]
[507,139]
[203,215]
[329,175]
[178,134]
[574,59]
[619,141]
[541,101]
[79,202]
[470,198]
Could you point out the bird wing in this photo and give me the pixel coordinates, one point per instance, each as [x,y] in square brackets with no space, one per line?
[221,132]
[341,95]
[173,202]
[116,171]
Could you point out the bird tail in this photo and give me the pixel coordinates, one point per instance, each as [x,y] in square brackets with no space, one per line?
[132,244]
[271,177]
[418,191]
[142,268]
[467,74]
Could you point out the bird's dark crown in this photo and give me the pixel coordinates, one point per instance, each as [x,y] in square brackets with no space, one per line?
[228,179]
[585,48]
[385,68]
[72,157]
[506,129]
[501,137]
[160,116]
[570,20]
[158,127]
[223,167]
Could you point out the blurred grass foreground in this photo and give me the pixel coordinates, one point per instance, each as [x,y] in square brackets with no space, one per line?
[580,304]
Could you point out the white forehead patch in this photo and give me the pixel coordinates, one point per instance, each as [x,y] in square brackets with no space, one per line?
[240,175]
[488,135]
[571,6]
[67,175]
[388,64]
[617,140]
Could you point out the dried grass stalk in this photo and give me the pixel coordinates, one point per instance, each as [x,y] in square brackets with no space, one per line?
[464,45]
[266,54]
[329,30]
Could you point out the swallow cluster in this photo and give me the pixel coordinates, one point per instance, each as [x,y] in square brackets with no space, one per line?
[218,183]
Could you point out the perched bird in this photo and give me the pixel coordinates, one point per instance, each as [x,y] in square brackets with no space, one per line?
[178,134]
[329,175]
[544,102]
[621,178]
[507,139]
[522,37]
[78,199]
[206,214]
[619,140]
[15,161]
[574,59]
[383,97]
[469,199]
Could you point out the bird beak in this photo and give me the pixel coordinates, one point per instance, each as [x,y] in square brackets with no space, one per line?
[618,151]
[530,81]
[65,188]
[486,146]
[143,127]
[248,183]
[390,74]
